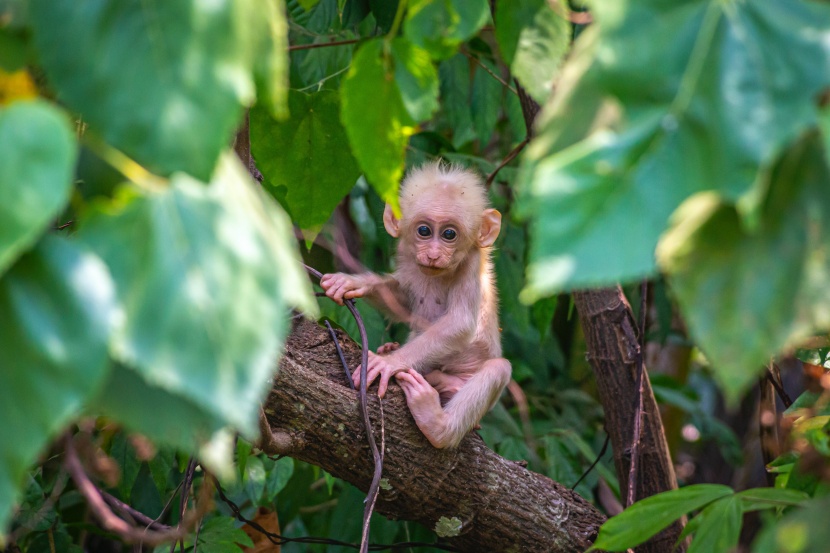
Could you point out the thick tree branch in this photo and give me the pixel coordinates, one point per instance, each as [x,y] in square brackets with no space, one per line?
[485,502]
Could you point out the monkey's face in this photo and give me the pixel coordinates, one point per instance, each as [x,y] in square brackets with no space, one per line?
[438,244]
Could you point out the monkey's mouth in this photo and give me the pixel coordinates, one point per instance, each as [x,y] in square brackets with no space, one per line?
[430,270]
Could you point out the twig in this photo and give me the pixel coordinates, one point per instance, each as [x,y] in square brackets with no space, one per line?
[507,159]
[188,482]
[99,508]
[490,71]
[596,461]
[638,414]
[340,354]
[119,505]
[779,387]
[322,44]
[374,488]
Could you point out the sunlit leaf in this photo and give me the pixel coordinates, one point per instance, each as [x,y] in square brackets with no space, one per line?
[163,81]
[709,109]
[770,284]
[533,39]
[206,275]
[56,308]
[37,154]
[416,78]
[376,120]
[440,26]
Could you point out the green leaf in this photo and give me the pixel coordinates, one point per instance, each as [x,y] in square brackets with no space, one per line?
[709,254]
[279,473]
[56,304]
[533,39]
[12,49]
[485,102]
[647,517]
[720,528]
[801,531]
[254,479]
[162,416]
[455,98]
[37,154]
[416,78]
[701,112]
[123,453]
[767,498]
[439,26]
[271,61]
[219,535]
[305,159]
[205,275]
[170,88]
[376,120]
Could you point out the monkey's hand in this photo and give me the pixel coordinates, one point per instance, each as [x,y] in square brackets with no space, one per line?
[385,366]
[339,286]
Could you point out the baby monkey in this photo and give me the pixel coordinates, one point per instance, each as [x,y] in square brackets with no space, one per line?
[450,369]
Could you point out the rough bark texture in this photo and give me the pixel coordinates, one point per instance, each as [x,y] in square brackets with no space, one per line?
[483,501]
[611,339]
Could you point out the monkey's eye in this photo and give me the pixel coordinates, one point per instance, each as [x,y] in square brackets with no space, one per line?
[449,234]
[424,231]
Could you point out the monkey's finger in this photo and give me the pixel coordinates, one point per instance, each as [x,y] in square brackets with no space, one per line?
[356,293]
[384,383]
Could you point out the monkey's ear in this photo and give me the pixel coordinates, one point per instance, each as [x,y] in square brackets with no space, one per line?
[490,227]
[391,222]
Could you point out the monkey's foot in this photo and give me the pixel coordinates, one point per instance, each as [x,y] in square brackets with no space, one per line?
[425,405]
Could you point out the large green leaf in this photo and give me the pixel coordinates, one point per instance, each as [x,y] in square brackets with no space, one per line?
[729,87]
[719,528]
[416,78]
[37,154]
[533,39]
[647,517]
[205,275]
[56,304]
[440,26]
[305,159]
[766,498]
[748,294]
[376,120]
[164,81]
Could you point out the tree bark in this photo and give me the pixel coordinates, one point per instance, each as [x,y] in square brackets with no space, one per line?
[611,339]
[471,496]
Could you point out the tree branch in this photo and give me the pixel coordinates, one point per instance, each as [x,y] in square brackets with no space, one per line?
[476,499]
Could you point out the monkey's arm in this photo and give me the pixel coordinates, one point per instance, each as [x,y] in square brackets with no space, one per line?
[382,291]
[447,335]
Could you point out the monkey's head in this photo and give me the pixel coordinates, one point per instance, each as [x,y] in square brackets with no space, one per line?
[444,216]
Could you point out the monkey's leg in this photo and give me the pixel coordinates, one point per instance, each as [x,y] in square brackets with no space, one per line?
[446,427]
[473,400]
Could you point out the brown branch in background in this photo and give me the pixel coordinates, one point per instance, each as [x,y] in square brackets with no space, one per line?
[773,374]
[322,44]
[185,493]
[102,512]
[638,414]
[507,159]
[138,516]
